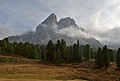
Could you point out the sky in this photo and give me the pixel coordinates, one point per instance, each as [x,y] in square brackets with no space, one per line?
[100,18]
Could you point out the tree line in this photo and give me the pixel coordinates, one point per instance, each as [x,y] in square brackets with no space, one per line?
[60,52]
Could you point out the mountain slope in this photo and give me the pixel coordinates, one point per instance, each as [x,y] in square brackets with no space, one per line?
[51,29]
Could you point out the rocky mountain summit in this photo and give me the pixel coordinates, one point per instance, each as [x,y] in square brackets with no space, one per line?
[51,29]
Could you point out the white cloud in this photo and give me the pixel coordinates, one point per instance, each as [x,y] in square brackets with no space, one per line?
[104,24]
[73,32]
[112,34]
[108,17]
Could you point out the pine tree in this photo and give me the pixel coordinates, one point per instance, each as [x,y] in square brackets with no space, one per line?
[15,47]
[43,53]
[39,52]
[71,55]
[87,51]
[68,54]
[63,49]
[58,45]
[34,53]
[92,54]
[10,49]
[106,59]
[75,52]
[50,51]
[79,56]
[4,45]
[111,55]
[118,58]
[58,58]
[99,58]
[0,48]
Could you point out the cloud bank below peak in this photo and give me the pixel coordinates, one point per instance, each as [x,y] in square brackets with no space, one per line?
[73,32]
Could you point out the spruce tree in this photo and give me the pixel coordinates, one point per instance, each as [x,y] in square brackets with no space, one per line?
[99,58]
[62,49]
[43,53]
[87,51]
[92,54]
[50,51]
[68,54]
[0,50]
[71,54]
[79,56]
[10,49]
[4,46]
[34,53]
[75,52]
[58,57]
[106,59]
[111,55]
[118,58]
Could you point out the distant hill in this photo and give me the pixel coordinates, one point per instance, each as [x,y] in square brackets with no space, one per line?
[51,29]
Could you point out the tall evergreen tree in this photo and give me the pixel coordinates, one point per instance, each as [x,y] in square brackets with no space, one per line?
[57,57]
[0,47]
[111,55]
[106,58]
[118,58]
[78,52]
[4,45]
[10,48]
[92,54]
[50,51]
[75,52]
[39,52]
[0,50]
[68,54]
[99,58]
[43,53]
[63,49]
[71,54]
[87,51]
[77,55]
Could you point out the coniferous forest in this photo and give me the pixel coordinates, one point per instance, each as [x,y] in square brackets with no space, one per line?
[60,52]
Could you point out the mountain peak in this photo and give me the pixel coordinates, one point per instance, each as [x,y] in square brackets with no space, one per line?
[51,18]
[49,22]
[52,15]
[67,22]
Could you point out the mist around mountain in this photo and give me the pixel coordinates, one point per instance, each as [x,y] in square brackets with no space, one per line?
[52,29]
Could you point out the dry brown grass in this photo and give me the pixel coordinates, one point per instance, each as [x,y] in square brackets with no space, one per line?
[2,79]
[34,71]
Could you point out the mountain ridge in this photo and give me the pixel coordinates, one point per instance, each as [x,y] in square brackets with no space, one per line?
[51,29]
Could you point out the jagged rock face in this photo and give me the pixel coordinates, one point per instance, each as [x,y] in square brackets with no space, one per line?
[51,29]
[67,22]
[47,24]
[51,19]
